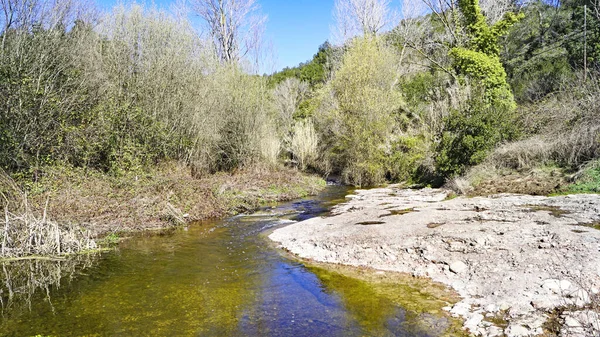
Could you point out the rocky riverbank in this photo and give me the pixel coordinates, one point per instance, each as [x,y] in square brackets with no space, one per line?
[524,265]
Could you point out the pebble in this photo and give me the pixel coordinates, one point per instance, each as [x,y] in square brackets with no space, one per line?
[515,330]
[458,267]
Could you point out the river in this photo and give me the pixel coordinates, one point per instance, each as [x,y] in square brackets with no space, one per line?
[221,278]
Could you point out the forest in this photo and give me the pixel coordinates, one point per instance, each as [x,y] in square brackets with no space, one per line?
[480,96]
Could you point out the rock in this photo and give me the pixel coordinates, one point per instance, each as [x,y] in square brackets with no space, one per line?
[458,267]
[556,286]
[544,303]
[565,285]
[473,322]
[492,257]
[504,306]
[460,309]
[571,322]
[581,297]
[517,330]
[551,285]
[494,331]
[492,308]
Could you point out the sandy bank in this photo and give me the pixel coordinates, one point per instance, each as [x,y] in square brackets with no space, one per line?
[513,257]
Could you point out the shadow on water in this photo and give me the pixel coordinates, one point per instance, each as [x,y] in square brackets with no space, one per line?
[216,279]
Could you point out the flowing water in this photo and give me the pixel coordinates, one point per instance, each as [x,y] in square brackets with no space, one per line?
[213,279]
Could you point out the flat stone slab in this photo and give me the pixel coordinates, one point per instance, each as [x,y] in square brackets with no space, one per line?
[514,255]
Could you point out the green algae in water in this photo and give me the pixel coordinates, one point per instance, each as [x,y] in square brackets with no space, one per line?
[398,212]
[555,211]
[370,223]
[372,299]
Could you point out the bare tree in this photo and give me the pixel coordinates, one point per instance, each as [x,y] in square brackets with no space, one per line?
[234,25]
[288,95]
[494,10]
[361,17]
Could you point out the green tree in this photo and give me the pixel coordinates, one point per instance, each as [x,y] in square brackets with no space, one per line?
[356,132]
[472,131]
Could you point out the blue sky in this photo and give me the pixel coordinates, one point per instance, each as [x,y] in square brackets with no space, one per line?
[295,28]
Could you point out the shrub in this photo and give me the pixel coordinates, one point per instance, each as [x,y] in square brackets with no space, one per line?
[471,133]
[304,143]
[587,180]
[405,156]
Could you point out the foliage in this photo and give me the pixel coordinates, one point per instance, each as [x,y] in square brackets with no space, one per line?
[575,46]
[361,120]
[313,72]
[470,134]
[534,52]
[481,60]
[472,131]
[588,180]
[304,144]
[404,158]
[139,89]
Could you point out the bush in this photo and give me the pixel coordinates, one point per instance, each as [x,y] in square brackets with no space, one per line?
[405,157]
[304,143]
[587,180]
[470,134]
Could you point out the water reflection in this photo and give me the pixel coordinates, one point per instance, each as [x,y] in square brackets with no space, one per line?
[23,279]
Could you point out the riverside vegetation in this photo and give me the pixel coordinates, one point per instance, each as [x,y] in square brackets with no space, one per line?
[136,118]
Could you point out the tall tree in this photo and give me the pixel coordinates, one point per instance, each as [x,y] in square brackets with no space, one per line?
[235,26]
[361,17]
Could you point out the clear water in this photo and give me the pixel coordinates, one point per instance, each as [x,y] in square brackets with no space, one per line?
[214,279]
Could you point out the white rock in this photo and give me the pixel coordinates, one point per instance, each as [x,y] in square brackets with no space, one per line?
[565,285]
[551,285]
[571,322]
[491,307]
[494,331]
[516,330]
[581,297]
[458,267]
[473,322]
[461,309]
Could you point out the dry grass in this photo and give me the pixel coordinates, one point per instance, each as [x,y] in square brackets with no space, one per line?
[22,233]
[488,179]
[166,196]
[565,130]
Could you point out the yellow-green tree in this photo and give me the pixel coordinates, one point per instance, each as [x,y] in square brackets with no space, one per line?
[361,125]
[480,59]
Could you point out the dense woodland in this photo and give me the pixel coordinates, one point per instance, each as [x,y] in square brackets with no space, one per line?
[422,96]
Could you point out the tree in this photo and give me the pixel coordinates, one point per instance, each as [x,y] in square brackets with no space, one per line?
[234,25]
[288,95]
[358,126]
[361,17]
[480,59]
[488,117]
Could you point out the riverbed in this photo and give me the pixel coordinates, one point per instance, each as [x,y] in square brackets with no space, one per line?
[219,278]
[524,265]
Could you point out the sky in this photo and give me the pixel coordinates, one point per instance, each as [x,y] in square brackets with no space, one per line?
[295,28]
